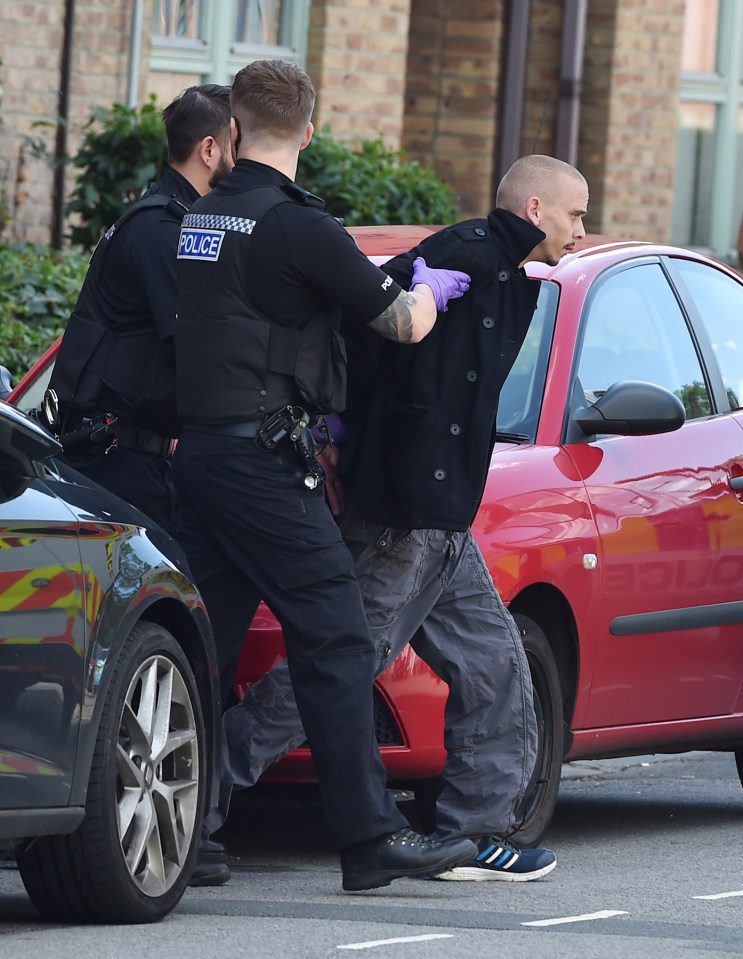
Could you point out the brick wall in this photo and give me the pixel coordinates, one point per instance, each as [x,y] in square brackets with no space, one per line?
[629,118]
[32,32]
[425,74]
[356,58]
[451,101]
[542,79]
[628,110]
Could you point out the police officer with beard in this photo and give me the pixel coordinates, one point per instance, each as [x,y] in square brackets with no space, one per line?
[114,379]
[264,274]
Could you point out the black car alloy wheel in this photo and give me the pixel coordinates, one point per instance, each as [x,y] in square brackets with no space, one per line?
[130,859]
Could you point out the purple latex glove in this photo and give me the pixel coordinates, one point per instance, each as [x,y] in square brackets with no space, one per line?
[445,284]
[336,427]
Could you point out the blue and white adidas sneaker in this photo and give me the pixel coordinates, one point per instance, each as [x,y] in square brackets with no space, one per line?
[499,859]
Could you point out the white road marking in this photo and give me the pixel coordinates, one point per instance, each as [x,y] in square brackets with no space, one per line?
[720,895]
[604,914]
[388,942]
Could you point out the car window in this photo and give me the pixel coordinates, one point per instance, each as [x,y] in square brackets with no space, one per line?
[634,329]
[521,396]
[719,300]
[30,398]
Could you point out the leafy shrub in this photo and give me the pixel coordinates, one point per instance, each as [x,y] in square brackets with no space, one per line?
[38,289]
[124,150]
[373,185]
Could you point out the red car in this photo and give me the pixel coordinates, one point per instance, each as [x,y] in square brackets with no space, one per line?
[620,553]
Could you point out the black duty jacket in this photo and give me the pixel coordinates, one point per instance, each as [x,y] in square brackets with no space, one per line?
[264,276]
[130,291]
[422,416]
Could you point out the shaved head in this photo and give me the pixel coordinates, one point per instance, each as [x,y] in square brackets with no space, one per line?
[534,175]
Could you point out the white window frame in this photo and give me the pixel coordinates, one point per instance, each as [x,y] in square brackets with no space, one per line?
[216,57]
[723,89]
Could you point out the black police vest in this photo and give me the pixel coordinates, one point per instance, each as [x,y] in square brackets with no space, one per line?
[233,362]
[84,358]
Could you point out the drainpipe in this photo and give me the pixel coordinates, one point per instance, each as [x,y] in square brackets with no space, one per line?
[571,76]
[135,54]
[514,83]
[63,117]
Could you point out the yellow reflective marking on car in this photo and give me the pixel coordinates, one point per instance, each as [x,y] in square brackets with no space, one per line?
[44,588]
[25,585]
[12,542]
[94,594]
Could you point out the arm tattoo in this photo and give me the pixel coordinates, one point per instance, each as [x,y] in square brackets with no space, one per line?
[396,323]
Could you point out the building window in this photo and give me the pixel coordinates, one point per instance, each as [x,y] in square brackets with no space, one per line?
[708,202]
[258,22]
[208,41]
[176,20]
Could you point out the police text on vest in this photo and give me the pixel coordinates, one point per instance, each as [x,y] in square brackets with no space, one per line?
[200,244]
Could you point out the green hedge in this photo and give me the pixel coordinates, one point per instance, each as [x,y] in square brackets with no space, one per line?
[373,184]
[124,149]
[38,289]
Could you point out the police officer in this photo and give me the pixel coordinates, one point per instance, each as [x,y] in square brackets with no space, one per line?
[420,434]
[263,276]
[114,377]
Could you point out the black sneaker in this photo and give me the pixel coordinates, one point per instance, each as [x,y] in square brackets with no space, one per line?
[400,854]
[499,859]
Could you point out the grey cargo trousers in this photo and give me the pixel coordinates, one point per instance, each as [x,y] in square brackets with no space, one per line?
[430,588]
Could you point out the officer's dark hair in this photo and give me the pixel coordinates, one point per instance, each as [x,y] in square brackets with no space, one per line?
[197,112]
[273,97]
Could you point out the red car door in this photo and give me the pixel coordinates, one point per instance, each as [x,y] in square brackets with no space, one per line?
[670,526]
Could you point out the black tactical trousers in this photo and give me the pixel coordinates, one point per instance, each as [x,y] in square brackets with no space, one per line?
[140,478]
[251,530]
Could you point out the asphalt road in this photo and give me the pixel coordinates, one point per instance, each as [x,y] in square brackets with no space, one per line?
[649,865]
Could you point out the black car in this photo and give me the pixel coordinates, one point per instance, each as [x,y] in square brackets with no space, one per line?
[109,693]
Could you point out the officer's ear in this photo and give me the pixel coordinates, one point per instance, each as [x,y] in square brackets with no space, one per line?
[210,151]
[235,134]
[305,142]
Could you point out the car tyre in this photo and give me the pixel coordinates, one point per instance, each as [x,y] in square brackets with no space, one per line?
[739,763]
[131,857]
[535,813]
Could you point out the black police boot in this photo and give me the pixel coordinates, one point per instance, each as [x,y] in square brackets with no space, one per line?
[211,867]
[405,853]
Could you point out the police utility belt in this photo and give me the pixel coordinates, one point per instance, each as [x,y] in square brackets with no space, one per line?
[80,434]
[305,432]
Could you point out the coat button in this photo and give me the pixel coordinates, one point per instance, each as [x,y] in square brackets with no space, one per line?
[471,376]
[503,275]
[261,392]
[488,322]
[455,429]
[479,231]
[439,474]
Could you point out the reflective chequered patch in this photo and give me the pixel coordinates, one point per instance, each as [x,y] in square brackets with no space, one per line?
[213,221]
